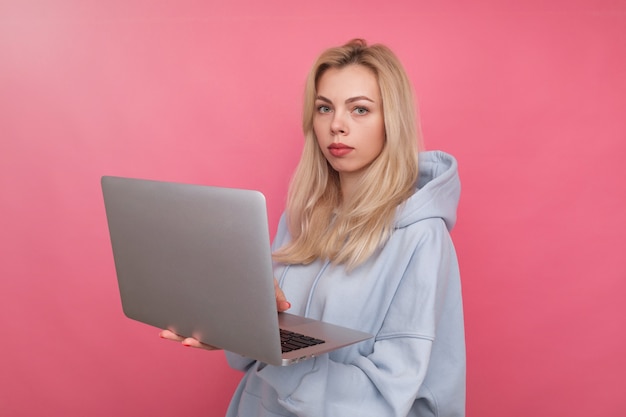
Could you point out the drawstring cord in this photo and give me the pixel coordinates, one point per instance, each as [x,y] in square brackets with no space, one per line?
[313,287]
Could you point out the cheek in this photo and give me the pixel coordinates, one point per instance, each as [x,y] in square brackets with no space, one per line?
[319,140]
[379,148]
[320,136]
[317,127]
[380,138]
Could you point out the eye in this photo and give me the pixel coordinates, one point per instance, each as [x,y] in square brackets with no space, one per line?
[323,109]
[361,111]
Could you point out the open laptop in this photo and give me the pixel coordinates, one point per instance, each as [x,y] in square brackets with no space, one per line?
[197,260]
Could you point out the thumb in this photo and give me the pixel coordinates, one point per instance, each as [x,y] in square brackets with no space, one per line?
[281,301]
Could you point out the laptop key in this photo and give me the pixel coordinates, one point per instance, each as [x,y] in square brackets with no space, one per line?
[292,341]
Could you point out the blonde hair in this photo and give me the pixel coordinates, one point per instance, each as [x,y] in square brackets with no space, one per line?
[349,232]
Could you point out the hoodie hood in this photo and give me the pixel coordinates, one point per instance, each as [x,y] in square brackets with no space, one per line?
[437,193]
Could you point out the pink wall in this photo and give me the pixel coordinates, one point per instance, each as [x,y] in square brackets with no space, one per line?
[531,99]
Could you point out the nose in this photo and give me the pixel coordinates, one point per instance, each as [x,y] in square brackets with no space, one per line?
[339,126]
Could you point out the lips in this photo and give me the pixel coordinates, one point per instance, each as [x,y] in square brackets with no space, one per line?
[339,149]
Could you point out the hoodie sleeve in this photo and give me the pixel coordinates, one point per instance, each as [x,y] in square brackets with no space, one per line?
[385,382]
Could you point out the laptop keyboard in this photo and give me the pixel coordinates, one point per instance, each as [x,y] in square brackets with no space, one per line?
[292,341]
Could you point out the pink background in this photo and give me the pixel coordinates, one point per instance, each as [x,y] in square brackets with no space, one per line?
[530,98]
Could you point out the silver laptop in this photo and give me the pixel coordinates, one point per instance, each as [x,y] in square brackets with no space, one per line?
[197,260]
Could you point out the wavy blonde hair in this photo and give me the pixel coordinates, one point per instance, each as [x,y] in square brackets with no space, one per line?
[349,232]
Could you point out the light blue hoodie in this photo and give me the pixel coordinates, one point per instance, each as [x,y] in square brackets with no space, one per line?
[408,295]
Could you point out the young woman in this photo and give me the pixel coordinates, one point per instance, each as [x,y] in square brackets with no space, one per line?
[365,243]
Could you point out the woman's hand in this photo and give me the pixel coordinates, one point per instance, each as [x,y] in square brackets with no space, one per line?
[186,341]
[281,305]
[281,301]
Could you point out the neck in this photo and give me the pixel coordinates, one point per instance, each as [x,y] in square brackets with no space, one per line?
[348,185]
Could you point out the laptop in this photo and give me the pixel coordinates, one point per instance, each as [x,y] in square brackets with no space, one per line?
[197,260]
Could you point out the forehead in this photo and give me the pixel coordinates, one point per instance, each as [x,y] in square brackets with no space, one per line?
[351,80]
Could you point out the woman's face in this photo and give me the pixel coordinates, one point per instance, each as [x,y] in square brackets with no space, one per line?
[348,119]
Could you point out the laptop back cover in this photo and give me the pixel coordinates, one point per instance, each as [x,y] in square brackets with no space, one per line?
[185,256]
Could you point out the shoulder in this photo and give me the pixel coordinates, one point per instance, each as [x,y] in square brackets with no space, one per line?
[415,235]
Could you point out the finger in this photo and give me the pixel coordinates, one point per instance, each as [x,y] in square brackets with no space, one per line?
[169,335]
[281,301]
[191,342]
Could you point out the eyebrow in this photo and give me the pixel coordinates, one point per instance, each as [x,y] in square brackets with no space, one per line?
[350,100]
